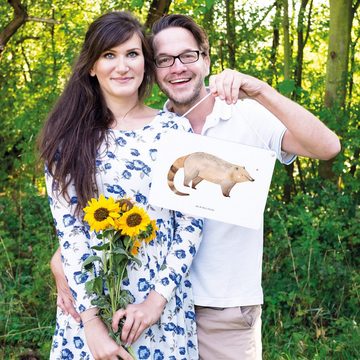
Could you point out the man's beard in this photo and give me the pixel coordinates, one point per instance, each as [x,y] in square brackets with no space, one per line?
[184,100]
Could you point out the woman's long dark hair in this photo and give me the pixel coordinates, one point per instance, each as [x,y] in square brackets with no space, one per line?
[78,123]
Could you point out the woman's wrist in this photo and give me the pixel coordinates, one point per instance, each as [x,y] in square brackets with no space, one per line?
[157,300]
[89,315]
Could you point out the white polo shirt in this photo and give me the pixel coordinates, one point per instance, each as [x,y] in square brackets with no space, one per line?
[227,269]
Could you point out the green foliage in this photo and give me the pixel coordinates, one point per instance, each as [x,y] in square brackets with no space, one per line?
[310,278]
[26,288]
[312,233]
[286,87]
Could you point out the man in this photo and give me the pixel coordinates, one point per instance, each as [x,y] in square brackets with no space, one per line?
[226,272]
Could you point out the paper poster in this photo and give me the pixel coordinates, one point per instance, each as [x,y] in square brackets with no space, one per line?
[212,178]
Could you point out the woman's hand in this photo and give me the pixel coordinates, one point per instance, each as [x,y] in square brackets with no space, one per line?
[139,317]
[65,300]
[102,347]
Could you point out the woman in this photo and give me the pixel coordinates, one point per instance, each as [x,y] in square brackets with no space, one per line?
[101,139]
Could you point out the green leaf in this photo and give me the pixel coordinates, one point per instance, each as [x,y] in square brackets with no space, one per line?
[286,87]
[127,240]
[122,252]
[117,236]
[119,262]
[89,285]
[137,3]
[91,259]
[101,302]
[102,247]
[209,4]
[137,261]
[98,286]
[108,233]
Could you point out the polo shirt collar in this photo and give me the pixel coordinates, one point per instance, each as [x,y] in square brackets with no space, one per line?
[221,110]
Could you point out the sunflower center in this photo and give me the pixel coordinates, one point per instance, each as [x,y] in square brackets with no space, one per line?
[125,204]
[133,220]
[101,214]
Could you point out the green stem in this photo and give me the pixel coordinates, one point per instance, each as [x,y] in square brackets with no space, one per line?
[112,289]
[120,278]
[131,352]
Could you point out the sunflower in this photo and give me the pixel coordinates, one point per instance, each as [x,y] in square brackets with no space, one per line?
[133,222]
[135,248]
[125,204]
[152,235]
[100,214]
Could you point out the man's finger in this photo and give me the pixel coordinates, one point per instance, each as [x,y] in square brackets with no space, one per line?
[212,85]
[235,89]
[230,84]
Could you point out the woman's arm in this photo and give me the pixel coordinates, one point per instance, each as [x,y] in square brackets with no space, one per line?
[74,240]
[187,236]
[98,339]
[75,248]
[65,300]
[139,317]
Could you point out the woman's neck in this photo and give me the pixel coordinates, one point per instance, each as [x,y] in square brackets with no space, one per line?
[136,116]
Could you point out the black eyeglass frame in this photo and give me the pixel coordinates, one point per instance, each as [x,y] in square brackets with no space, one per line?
[198,53]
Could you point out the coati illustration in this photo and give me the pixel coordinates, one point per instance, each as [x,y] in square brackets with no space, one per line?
[199,166]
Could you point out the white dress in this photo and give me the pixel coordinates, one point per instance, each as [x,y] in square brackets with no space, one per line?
[124,168]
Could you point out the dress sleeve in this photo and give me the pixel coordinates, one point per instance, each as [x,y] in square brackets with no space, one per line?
[184,246]
[74,241]
[186,240]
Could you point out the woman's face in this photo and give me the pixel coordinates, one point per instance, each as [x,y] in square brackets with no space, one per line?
[120,70]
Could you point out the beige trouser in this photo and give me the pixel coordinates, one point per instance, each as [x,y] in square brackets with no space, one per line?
[229,333]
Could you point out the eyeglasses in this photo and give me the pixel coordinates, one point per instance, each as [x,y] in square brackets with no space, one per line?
[187,57]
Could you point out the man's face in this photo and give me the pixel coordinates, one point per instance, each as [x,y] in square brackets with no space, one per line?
[182,83]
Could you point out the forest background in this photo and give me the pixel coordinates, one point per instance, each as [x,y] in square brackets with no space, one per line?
[309,51]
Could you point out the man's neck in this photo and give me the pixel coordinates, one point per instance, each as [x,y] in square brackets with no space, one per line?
[197,116]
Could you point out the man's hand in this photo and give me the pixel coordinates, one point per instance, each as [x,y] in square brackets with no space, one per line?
[65,300]
[231,85]
[139,317]
[306,135]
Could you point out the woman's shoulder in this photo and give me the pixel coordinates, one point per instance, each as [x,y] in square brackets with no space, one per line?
[174,121]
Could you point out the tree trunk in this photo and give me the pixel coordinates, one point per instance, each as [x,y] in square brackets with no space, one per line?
[231,37]
[354,166]
[158,8]
[301,40]
[287,46]
[338,52]
[11,28]
[341,16]
[275,43]
[352,70]
[289,185]
[209,26]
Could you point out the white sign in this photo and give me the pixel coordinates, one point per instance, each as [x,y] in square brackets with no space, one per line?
[212,178]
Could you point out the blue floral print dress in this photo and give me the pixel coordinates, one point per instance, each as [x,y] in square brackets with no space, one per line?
[124,168]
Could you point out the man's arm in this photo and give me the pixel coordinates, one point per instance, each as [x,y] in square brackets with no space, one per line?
[65,300]
[306,135]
